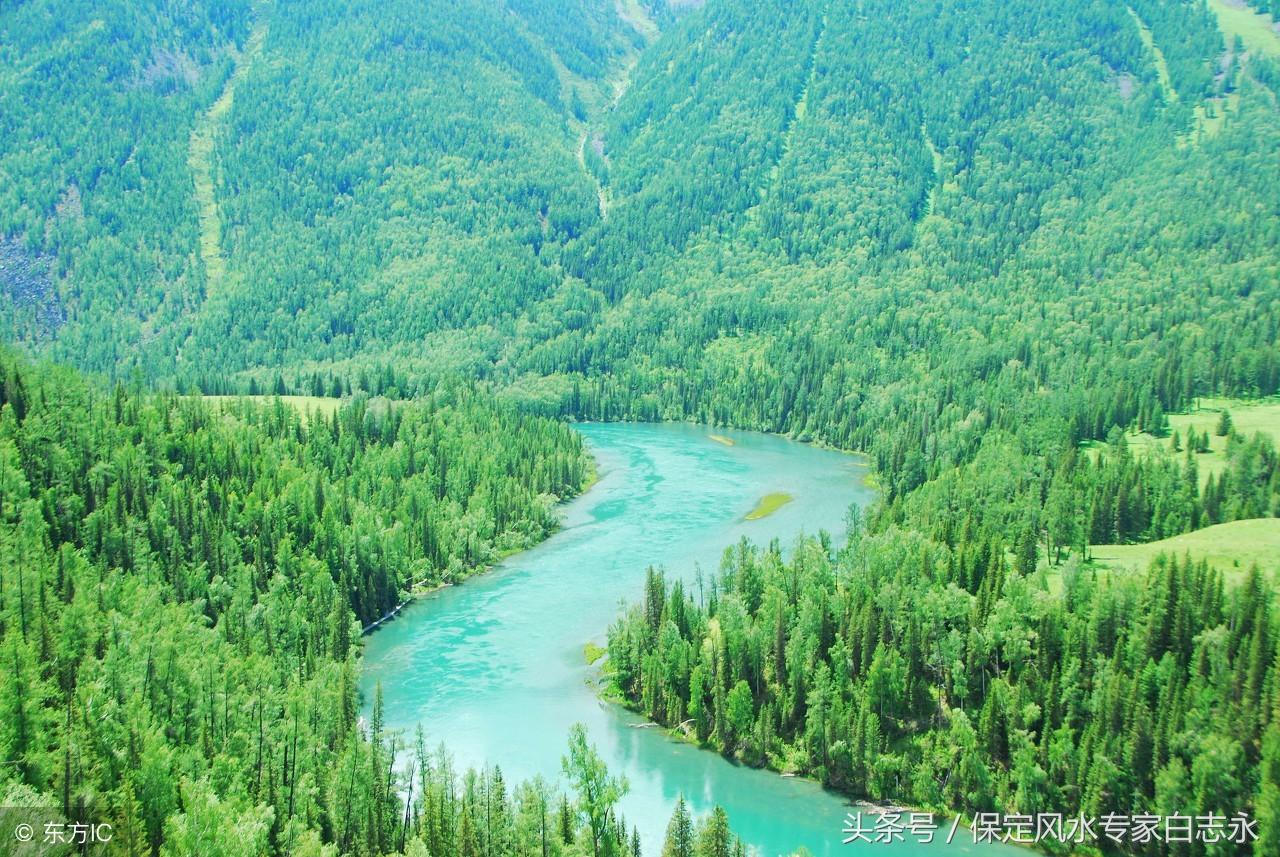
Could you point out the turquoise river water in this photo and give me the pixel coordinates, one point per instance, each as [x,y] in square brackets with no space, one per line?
[494,667]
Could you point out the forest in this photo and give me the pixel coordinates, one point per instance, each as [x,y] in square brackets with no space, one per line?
[901,669]
[181,596]
[985,244]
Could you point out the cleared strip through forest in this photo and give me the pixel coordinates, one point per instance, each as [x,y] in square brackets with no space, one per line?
[1162,67]
[931,204]
[798,113]
[634,16]
[200,159]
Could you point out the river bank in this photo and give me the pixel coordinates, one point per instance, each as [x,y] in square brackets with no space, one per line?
[496,669]
[423,587]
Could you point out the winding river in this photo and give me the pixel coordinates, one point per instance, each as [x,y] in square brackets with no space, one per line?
[495,667]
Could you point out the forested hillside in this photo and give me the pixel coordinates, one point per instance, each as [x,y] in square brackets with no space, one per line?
[179,597]
[288,172]
[816,212]
[979,241]
[907,670]
[101,215]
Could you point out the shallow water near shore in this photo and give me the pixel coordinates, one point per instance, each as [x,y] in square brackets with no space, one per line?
[494,667]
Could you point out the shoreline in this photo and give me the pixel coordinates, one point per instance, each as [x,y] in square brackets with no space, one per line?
[943,818]
[421,589]
[615,475]
[870,479]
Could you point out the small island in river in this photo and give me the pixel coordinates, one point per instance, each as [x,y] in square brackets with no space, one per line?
[769,504]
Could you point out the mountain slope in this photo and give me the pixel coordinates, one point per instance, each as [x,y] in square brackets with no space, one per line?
[98,101]
[424,185]
[887,228]
[377,161]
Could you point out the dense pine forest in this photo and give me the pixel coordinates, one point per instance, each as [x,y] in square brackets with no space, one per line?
[990,245]
[182,592]
[183,586]
[900,669]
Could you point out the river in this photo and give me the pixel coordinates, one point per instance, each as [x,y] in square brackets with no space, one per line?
[494,667]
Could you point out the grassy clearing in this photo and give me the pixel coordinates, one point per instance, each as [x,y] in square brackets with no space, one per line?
[1212,114]
[305,405]
[1231,548]
[1257,32]
[1248,417]
[769,504]
[1255,29]
[597,97]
